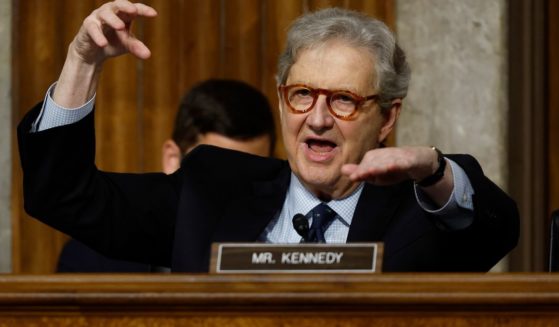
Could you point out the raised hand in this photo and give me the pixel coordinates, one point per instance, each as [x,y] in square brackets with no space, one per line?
[386,166]
[106,32]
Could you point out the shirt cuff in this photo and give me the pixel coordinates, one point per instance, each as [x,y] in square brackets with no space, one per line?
[458,211]
[52,115]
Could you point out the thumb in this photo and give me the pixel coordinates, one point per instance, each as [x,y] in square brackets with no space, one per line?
[133,45]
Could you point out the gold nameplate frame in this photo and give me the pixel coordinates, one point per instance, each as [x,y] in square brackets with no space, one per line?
[237,258]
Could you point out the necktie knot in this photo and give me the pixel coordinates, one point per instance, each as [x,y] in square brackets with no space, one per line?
[322,216]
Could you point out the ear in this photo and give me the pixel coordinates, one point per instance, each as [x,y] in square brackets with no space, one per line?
[171,157]
[390,118]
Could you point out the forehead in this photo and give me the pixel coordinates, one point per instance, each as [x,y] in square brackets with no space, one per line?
[334,65]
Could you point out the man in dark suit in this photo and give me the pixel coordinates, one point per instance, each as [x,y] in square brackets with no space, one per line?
[341,82]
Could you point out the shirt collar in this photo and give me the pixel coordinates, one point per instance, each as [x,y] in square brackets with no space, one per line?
[302,200]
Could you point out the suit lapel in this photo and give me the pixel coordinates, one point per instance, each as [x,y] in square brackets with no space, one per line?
[246,219]
[375,209]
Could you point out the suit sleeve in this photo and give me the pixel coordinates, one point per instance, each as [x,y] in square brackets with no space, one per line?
[125,216]
[496,219]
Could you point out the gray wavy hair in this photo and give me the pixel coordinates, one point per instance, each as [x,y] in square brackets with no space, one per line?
[392,70]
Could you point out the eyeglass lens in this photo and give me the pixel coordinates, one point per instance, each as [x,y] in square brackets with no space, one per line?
[303,98]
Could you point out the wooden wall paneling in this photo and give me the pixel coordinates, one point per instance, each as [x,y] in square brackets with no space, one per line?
[118,117]
[16,198]
[241,36]
[200,44]
[185,51]
[381,9]
[33,60]
[313,5]
[277,16]
[160,74]
[40,46]
[553,105]
[71,19]
[527,124]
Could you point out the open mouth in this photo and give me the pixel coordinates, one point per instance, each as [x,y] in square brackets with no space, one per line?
[320,146]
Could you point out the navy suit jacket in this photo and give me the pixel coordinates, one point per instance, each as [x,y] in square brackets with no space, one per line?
[221,195]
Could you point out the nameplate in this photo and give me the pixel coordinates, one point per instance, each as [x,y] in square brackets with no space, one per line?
[296,258]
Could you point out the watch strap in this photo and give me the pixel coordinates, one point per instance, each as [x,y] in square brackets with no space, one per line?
[438,174]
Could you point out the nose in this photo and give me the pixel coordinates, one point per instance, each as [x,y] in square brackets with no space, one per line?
[319,117]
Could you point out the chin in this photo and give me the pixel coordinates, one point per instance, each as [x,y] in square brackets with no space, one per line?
[322,178]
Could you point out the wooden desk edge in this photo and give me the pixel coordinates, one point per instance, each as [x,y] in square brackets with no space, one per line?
[356,291]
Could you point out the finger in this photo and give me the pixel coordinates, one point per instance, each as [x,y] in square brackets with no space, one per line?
[99,20]
[363,172]
[120,13]
[110,19]
[94,30]
[132,10]
[107,13]
[353,171]
[139,49]
[133,45]
[145,11]
[128,7]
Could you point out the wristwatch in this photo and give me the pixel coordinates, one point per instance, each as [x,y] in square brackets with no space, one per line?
[438,174]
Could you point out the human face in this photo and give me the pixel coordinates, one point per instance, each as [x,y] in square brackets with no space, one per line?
[319,144]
